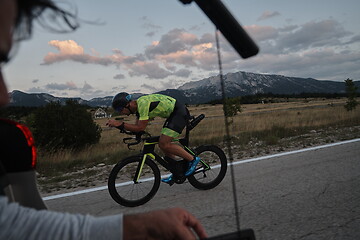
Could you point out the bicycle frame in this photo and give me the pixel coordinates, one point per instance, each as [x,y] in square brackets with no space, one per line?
[148,151]
[150,143]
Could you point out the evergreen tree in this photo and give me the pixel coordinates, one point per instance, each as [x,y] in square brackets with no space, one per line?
[351,89]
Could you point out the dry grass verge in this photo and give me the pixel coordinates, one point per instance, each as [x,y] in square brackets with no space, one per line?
[258,130]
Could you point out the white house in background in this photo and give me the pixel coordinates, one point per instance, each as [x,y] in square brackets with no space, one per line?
[100,113]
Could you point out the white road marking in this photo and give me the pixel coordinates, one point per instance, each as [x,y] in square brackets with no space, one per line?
[234,163]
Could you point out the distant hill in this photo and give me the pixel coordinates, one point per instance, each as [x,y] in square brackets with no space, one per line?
[208,89]
[18,98]
[243,83]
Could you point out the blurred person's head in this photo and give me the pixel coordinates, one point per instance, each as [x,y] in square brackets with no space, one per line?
[17,150]
[16,24]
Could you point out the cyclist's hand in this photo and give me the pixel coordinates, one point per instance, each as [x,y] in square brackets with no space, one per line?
[173,223]
[113,123]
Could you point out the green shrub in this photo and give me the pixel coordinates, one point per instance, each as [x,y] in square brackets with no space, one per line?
[351,89]
[232,106]
[70,126]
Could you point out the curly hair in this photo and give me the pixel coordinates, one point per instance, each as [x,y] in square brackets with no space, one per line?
[47,14]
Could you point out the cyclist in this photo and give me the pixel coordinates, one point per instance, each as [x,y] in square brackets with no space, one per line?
[17,163]
[156,105]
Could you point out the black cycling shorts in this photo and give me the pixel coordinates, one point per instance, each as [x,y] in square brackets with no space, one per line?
[177,121]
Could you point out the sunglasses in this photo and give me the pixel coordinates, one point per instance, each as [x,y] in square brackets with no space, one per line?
[119,109]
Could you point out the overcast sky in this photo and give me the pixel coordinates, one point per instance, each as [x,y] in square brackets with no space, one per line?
[147,46]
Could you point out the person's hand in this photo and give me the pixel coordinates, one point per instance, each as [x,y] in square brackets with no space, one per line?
[173,223]
[113,123]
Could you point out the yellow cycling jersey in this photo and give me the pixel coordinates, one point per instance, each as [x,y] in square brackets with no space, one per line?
[155,105]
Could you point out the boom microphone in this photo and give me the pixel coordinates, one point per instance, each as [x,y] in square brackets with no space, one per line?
[228,26]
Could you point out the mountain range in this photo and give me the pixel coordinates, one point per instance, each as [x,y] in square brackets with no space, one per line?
[208,89]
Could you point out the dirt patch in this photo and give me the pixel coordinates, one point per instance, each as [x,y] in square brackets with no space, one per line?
[257,148]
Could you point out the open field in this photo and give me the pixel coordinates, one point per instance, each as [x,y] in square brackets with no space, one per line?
[259,129]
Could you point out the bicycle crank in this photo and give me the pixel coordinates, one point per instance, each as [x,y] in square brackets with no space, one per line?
[179,179]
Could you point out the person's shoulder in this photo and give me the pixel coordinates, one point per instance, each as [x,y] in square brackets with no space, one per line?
[149,97]
[3,199]
[158,96]
[142,98]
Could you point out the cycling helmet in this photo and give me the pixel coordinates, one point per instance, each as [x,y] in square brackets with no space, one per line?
[120,101]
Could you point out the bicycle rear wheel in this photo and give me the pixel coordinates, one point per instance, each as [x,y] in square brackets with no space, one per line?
[122,186]
[212,168]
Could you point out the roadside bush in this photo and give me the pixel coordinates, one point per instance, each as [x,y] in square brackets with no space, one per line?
[232,107]
[70,126]
[351,91]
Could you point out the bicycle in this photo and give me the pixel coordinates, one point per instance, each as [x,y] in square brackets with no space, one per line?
[135,180]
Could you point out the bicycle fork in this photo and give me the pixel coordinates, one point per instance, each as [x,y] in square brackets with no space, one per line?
[140,166]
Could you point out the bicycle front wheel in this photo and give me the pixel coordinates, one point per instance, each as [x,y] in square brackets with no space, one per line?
[128,191]
[211,169]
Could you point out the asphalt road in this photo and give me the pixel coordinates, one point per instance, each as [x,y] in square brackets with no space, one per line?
[306,195]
